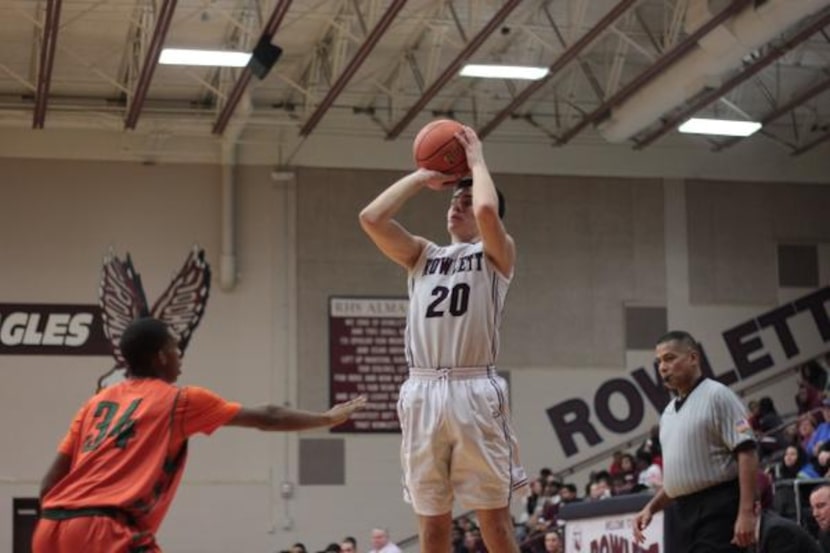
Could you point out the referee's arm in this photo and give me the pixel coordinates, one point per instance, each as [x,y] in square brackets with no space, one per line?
[657,503]
[747,459]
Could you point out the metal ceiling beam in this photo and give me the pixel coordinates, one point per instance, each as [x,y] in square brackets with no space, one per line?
[667,59]
[583,65]
[821,21]
[812,144]
[49,38]
[271,27]
[358,59]
[453,67]
[150,62]
[561,62]
[797,99]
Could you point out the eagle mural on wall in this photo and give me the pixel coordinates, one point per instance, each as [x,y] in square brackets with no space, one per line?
[122,299]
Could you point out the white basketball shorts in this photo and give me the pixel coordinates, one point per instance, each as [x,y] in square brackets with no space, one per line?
[457,441]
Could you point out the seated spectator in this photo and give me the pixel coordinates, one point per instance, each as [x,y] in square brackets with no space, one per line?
[820,507]
[298,548]
[821,435]
[822,462]
[381,542]
[546,508]
[770,426]
[806,427]
[473,543]
[623,483]
[599,489]
[616,459]
[348,545]
[795,464]
[650,476]
[807,398]
[627,463]
[553,543]
[550,507]
[567,493]
[531,500]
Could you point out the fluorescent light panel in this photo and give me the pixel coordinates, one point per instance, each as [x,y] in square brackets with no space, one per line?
[504,72]
[214,58]
[720,127]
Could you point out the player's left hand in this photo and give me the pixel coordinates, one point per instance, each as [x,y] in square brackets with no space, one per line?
[472,145]
[744,529]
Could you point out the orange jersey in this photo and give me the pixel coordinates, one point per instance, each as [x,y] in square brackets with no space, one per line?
[128,446]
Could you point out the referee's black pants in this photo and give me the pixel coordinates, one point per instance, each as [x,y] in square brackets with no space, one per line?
[706,519]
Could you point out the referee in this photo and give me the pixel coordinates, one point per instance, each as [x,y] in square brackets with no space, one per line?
[709,457]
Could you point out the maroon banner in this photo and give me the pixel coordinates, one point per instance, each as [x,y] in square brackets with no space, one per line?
[366,356]
[52,329]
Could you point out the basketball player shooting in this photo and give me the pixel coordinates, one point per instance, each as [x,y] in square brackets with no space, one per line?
[457,440]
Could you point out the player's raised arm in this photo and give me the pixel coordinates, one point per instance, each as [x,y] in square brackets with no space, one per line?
[498,245]
[377,218]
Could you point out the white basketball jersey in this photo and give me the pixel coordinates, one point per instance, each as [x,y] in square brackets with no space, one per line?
[456,301]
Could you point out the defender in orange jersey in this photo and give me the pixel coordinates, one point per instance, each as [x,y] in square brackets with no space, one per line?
[119,466]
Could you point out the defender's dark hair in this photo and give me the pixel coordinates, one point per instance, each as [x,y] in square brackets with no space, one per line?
[680,336]
[143,339]
[467,182]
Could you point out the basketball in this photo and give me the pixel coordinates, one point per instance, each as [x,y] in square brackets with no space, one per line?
[437,149]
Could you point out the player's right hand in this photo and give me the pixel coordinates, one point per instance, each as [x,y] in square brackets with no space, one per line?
[341,412]
[437,180]
[641,522]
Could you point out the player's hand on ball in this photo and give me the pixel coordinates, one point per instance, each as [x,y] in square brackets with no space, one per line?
[472,145]
[341,412]
[437,180]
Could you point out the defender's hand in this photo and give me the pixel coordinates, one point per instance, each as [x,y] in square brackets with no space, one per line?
[341,412]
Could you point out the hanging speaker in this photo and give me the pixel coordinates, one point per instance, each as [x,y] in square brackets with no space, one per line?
[264,56]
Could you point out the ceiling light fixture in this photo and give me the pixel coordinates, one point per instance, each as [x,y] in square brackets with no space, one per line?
[720,127]
[214,58]
[504,72]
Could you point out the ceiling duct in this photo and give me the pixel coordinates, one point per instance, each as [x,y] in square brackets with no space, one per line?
[716,54]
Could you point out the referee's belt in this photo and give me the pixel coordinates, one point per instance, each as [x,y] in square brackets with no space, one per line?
[714,488]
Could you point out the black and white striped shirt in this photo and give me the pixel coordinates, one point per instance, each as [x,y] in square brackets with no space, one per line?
[699,436]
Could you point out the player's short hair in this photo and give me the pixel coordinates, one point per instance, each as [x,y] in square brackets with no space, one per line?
[467,182]
[680,336]
[142,339]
